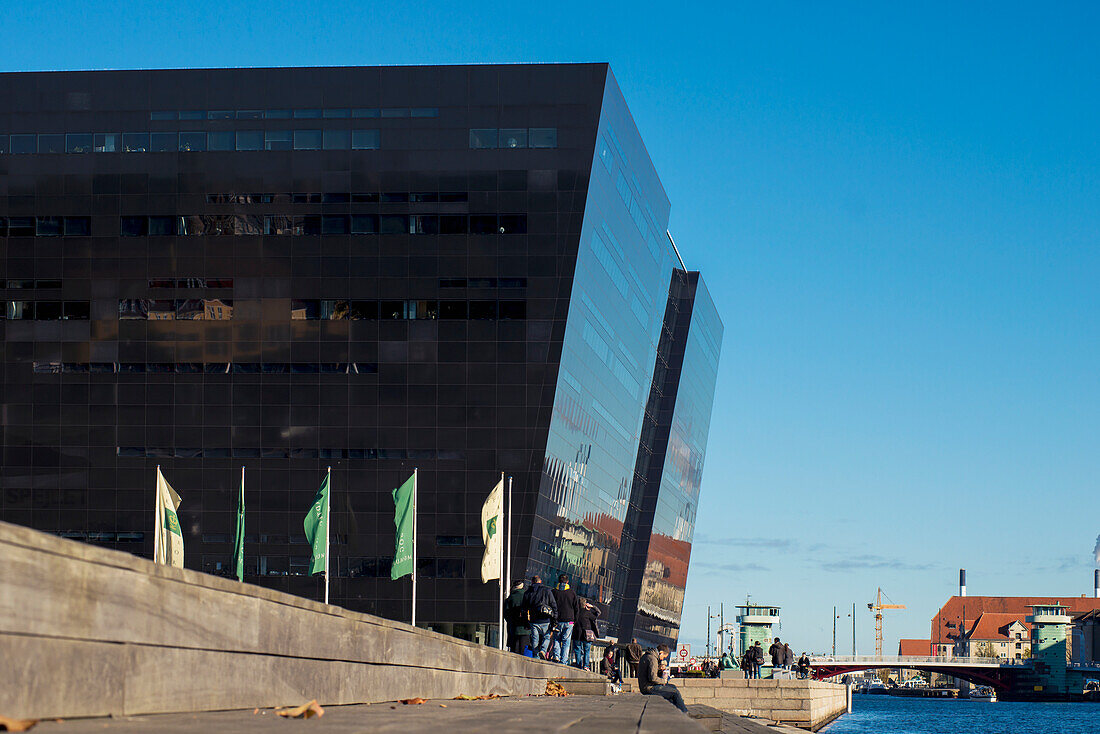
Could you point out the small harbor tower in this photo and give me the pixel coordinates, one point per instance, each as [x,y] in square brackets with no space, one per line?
[755,623]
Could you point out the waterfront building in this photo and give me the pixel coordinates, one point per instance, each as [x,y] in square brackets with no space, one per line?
[461,270]
[1002,636]
[956,618]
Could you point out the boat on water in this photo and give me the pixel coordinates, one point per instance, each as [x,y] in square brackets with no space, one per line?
[1092,690]
[983,693]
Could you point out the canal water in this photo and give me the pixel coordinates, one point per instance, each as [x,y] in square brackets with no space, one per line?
[895,715]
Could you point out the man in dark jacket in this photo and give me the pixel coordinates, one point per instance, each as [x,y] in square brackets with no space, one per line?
[584,631]
[515,617]
[788,657]
[633,657]
[652,683]
[541,609]
[561,647]
[776,652]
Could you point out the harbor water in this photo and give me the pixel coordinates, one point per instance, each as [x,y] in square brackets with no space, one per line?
[894,715]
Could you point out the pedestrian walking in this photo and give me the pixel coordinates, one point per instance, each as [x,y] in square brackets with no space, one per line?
[542,609]
[788,657]
[515,618]
[585,631]
[561,646]
[651,682]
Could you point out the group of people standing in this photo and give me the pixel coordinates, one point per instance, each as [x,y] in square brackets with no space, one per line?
[782,657]
[552,624]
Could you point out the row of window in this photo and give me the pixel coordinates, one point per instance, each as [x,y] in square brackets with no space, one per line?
[45,226]
[207,368]
[180,309]
[320,309]
[197,283]
[29,284]
[191,142]
[46,310]
[515,137]
[347,310]
[336,197]
[298,114]
[334,224]
[244,452]
[197,141]
[189,283]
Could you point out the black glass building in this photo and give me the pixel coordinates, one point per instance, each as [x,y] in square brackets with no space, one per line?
[462,270]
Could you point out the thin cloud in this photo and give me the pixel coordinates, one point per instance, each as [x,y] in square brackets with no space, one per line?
[731,567]
[867,562]
[772,543]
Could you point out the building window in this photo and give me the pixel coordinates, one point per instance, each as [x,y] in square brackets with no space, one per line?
[513,138]
[337,139]
[135,142]
[307,139]
[78,143]
[483,138]
[250,140]
[366,139]
[544,137]
[24,144]
[192,142]
[78,226]
[225,140]
[164,142]
[278,140]
[51,143]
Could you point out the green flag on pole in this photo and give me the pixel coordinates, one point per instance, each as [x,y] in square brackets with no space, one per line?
[238,544]
[404,512]
[316,525]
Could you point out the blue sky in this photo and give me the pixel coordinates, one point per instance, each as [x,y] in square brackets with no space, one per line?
[896,211]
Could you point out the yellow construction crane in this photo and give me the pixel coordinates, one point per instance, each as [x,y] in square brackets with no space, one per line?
[877,606]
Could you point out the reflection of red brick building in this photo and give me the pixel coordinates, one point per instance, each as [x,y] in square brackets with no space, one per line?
[949,621]
[665,577]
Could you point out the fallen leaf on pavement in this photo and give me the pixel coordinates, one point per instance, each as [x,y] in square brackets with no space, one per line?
[255,711]
[305,711]
[464,697]
[413,701]
[555,689]
[442,705]
[7,724]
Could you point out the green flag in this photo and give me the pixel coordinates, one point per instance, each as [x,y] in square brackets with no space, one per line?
[238,544]
[316,525]
[403,518]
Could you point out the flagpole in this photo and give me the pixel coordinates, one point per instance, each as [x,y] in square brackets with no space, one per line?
[156,512]
[508,537]
[240,558]
[508,541]
[416,480]
[328,521]
[500,608]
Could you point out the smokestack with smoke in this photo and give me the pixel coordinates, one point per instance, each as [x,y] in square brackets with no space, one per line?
[1096,583]
[962,580]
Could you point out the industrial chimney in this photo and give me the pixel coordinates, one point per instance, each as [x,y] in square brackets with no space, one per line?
[1096,583]
[962,582]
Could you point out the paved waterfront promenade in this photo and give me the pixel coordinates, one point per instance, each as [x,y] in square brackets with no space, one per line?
[575,714]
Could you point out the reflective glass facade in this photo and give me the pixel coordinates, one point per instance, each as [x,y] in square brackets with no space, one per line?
[625,537]
[462,270]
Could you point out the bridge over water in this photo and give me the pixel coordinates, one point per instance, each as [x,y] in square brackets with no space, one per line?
[1000,674]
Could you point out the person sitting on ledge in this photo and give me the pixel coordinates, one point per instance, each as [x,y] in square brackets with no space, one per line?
[652,683]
